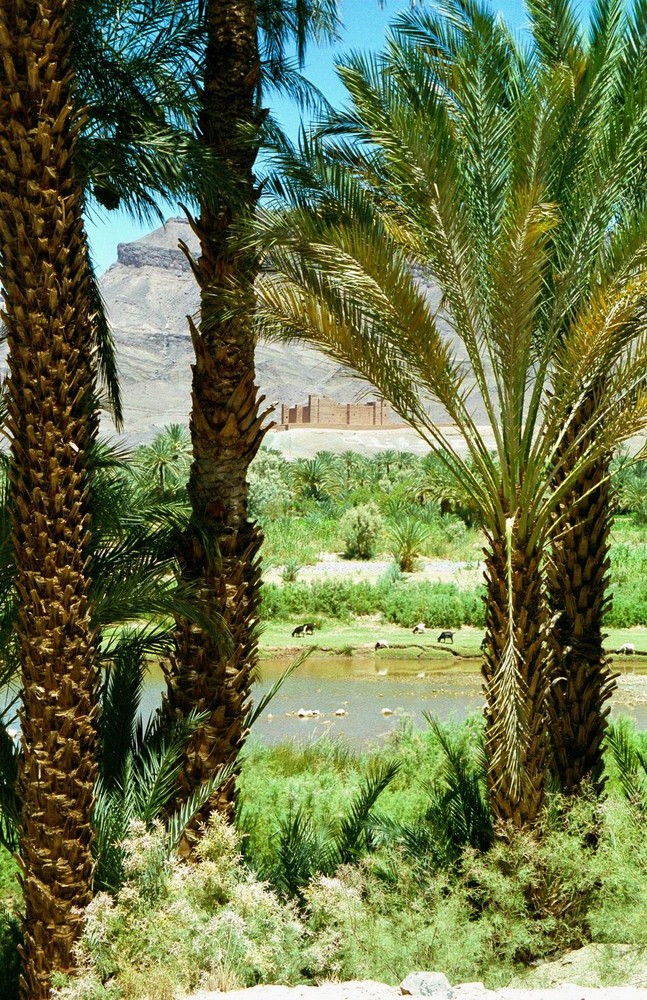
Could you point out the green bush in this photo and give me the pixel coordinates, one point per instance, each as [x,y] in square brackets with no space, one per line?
[399,601]
[482,916]
[628,586]
[361,527]
[209,926]
[10,937]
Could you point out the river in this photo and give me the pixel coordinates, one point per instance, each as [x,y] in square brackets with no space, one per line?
[367,691]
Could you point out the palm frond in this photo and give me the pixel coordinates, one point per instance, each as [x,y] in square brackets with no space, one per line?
[350,838]
[630,763]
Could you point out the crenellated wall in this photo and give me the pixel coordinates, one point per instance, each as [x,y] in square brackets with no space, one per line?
[320,411]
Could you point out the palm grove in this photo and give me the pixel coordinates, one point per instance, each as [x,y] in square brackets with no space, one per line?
[506,173]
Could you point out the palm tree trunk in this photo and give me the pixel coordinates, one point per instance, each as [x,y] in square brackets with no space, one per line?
[515,735]
[44,271]
[578,581]
[226,427]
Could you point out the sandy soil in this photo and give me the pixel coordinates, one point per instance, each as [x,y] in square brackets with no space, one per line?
[331,564]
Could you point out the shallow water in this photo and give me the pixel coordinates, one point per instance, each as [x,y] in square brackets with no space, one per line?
[359,686]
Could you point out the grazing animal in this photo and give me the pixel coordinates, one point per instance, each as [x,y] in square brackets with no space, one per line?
[307,629]
[628,649]
[446,636]
[419,628]
[308,713]
[341,711]
[381,644]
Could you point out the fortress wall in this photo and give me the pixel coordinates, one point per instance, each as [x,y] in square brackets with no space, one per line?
[320,411]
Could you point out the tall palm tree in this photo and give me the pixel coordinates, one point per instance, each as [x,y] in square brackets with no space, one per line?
[246,49]
[596,130]
[54,324]
[420,186]
[44,271]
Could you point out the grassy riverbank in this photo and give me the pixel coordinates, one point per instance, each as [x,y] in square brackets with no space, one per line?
[358,637]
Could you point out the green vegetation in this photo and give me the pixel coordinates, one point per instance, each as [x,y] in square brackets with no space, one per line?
[404,898]
[310,528]
[361,528]
[505,175]
[400,602]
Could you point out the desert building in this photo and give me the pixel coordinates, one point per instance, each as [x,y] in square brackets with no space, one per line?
[320,411]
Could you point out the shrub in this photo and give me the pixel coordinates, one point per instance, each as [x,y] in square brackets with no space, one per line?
[206,926]
[360,527]
[269,493]
[399,601]
[290,571]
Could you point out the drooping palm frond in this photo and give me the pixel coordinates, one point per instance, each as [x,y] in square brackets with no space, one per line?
[136,66]
[123,684]
[255,711]
[140,790]
[630,763]
[457,814]
[105,350]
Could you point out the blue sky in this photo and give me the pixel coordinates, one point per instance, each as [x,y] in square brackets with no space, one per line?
[365,24]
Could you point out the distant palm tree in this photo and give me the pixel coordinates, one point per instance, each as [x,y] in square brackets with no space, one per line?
[453,186]
[315,478]
[167,458]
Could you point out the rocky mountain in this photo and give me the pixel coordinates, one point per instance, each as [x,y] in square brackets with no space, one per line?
[149,292]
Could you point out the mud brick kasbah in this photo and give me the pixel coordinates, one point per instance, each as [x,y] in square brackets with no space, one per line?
[320,411]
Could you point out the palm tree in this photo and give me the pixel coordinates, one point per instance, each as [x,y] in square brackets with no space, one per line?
[58,343]
[315,478]
[134,594]
[418,186]
[44,271]
[245,52]
[167,458]
[600,134]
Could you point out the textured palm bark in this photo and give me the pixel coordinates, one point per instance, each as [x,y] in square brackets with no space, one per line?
[43,269]
[509,805]
[578,595]
[226,425]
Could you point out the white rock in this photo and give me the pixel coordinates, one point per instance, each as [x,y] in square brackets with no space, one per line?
[387,711]
[427,984]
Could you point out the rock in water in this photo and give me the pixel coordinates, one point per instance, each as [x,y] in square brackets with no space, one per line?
[427,984]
